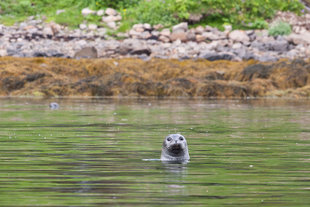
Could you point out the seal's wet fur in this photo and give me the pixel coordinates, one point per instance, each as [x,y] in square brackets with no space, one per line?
[174,148]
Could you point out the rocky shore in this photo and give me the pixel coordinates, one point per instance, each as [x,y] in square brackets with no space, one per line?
[36,38]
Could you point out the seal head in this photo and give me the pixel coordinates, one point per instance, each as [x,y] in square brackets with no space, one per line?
[174,148]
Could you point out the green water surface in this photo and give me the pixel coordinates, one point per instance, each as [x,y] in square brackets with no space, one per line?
[90,152]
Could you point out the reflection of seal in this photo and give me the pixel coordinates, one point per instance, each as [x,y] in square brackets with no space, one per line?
[174,148]
[54,105]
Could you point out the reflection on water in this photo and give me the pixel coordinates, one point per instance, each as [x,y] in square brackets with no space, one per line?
[93,152]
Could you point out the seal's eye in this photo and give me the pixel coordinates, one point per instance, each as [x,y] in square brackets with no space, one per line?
[181,138]
[169,139]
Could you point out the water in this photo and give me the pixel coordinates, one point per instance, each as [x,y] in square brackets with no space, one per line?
[90,152]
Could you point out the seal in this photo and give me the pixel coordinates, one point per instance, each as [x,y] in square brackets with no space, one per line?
[174,148]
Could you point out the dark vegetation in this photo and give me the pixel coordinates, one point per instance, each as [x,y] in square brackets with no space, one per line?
[49,77]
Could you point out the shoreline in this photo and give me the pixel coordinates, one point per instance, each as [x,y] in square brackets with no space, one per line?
[36,38]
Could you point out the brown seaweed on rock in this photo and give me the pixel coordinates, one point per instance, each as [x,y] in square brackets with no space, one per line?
[156,77]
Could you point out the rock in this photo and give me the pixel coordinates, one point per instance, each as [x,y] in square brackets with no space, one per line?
[155,33]
[299,38]
[210,36]
[138,28]
[190,36]
[145,35]
[109,19]
[47,31]
[200,38]
[259,45]
[141,51]
[239,36]
[164,39]
[86,52]
[279,45]
[158,26]
[182,27]
[56,28]
[179,35]
[165,32]
[134,47]
[92,26]
[213,56]
[199,30]
[209,28]
[133,33]
[100,12]
[212,46]
[112,25]
[111,12]
[83,26]
[243,53]
[87,11]
[147,27]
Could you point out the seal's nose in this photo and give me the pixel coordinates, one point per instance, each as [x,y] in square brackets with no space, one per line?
[176,141]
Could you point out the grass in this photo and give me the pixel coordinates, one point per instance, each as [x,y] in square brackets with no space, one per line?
[248,14]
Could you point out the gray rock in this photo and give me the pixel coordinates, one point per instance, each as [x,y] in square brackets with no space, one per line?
[259,45]
[182,27]
[213,56]
[210,36]
[279,45]
[145,35]
[86,52]
[239,36]
[92,26]
[243,53]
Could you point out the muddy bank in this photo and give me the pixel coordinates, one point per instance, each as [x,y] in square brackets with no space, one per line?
[50,77]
